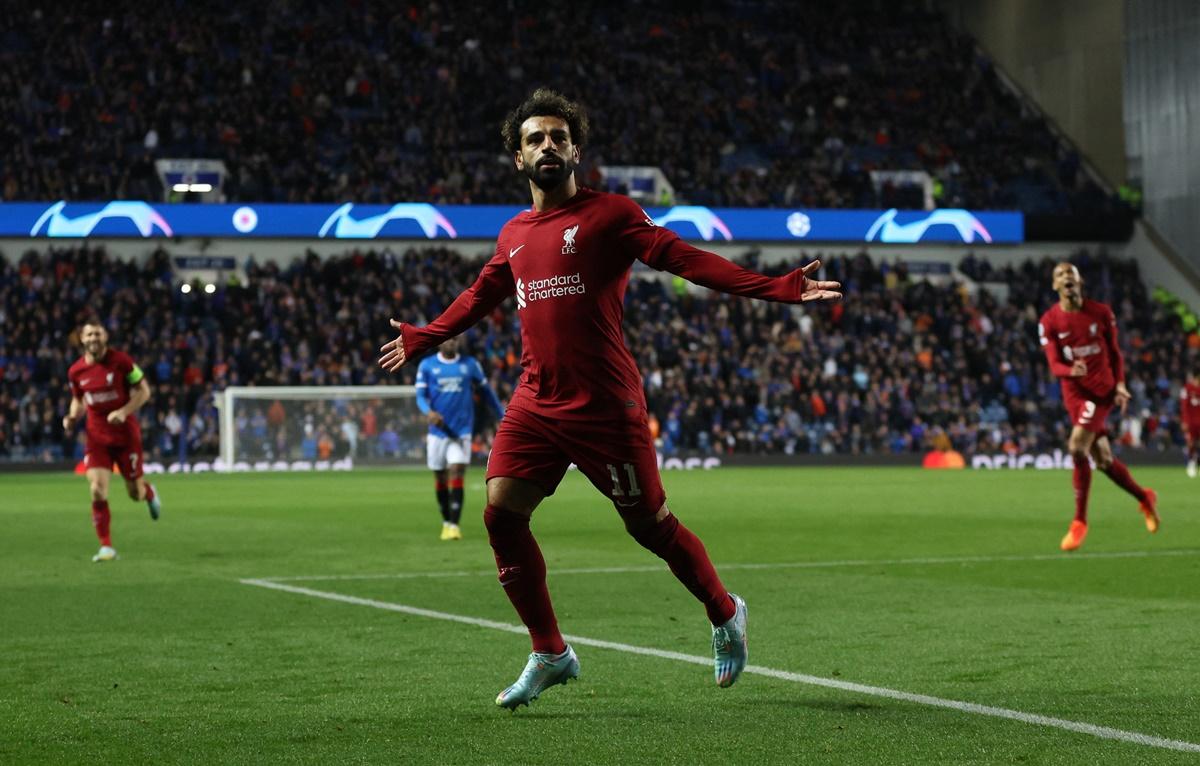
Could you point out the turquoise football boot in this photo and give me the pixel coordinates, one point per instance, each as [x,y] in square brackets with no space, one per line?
[541,672]
[729,645]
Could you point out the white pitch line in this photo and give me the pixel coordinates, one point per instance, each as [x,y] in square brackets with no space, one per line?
[1103,732]
[778,565]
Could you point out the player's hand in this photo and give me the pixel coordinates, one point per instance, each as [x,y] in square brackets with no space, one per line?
[116,417]
[818,290]
[435,419]
[393,352]
[1122,397]
[1078,369]
[68,423]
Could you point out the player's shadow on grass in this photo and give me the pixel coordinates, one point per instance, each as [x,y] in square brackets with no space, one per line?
[833,706]
[568,715]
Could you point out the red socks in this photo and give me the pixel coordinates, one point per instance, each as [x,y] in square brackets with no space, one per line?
[523,575]
[675,544]
[522,572]
[149,492]
[1120,475]
[100,520]
[1118,472]
[1082,479]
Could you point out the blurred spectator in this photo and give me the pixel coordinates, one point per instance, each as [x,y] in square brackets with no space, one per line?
[771,103]
[901,365]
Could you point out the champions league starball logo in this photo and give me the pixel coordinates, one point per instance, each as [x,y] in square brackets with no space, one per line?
[885,228]
[706,221]
[58,224]
[346,226]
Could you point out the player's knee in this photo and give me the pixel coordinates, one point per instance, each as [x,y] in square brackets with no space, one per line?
[652,532]
[637,519]
[1104,462]
[99,491]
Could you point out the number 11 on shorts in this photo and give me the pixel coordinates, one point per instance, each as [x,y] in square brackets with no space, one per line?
[634,490]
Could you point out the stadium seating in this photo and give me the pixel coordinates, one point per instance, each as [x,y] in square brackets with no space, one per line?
[903,365]
[351,102]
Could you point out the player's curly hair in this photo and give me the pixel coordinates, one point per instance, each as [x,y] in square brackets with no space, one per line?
[545,102]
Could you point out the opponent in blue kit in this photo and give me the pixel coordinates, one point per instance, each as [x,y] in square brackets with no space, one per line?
[446,384]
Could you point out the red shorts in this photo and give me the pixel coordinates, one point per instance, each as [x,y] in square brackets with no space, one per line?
[1090,414]
[1193,432]
[617,456]
[127,458]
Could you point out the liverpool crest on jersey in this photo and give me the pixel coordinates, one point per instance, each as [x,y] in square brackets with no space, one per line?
[569,239]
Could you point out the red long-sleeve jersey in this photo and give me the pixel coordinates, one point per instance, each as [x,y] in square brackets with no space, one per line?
[1189,405]
[569,268]
[104,386]
[1089,334]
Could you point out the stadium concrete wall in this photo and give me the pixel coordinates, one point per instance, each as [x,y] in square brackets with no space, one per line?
[1068,57]
[1162,116]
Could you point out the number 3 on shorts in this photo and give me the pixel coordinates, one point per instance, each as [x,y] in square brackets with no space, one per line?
[634,490]
[1089,409]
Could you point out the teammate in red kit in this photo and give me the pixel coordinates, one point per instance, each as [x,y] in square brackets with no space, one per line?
[112,388]
[1080,340]
[580,397]
[1189,416]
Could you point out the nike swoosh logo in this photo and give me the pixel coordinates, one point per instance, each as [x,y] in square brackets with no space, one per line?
[513,251]
[625,505]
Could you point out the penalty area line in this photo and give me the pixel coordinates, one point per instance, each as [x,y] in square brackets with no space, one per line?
[1102,732]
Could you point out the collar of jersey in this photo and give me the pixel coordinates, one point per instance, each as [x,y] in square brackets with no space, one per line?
[580,194]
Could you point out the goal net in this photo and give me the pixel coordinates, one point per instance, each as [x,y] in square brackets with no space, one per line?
[319,427]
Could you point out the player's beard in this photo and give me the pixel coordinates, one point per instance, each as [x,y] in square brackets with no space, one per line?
[550,177]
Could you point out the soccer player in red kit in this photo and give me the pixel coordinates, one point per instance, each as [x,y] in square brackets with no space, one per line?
[112,388]
[1079,337]
[580,397]
[1189,416]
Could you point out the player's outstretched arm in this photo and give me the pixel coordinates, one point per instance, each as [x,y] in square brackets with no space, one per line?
[495,283]
[716,273]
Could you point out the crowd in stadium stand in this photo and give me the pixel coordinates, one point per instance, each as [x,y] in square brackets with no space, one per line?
[906,363]
[368,103]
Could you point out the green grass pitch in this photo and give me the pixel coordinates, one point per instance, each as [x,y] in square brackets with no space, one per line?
[946,584]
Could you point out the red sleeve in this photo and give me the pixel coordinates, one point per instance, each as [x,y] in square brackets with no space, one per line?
[1114,349]
[76,391]
[1185,404]
[122,363]
[1053,354]
[642,237]
[662,249]
[716,273]
[495,283]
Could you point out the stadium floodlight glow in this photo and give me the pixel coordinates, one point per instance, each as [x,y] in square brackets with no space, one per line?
[210,288]
[185,288]
[182,187]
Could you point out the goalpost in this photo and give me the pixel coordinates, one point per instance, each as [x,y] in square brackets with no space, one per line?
[283,425]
